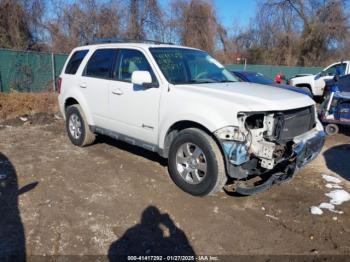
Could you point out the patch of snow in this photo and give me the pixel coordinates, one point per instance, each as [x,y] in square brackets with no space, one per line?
[316,210]
[331,179]
[328,185]
[330,207]
[338,196]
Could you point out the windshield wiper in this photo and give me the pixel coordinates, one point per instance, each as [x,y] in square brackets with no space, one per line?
[193,81]
[227,81]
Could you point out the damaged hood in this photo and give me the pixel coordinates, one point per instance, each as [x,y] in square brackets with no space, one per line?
[250,96]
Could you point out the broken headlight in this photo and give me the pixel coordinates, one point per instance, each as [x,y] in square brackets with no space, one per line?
[233,142]
[230,133]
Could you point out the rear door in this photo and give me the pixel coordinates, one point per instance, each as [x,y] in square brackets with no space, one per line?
[134,109]
[94,84]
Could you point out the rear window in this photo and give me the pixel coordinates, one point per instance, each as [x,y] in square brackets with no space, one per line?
[75,61]
[101,63]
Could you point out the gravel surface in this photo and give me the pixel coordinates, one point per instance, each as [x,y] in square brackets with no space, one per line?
[112,198]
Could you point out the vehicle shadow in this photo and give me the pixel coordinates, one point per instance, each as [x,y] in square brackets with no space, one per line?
[12,239]
[345,130]
[156,234]
[337,160]
[102,139]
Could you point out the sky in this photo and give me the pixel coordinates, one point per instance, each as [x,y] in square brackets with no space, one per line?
[232,12]
[236,12]
[229,12]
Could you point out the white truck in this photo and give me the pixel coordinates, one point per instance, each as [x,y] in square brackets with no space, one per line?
[316,83]
[184,105]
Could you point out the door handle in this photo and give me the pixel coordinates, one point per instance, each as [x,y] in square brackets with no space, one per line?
[83,85]
[117,91]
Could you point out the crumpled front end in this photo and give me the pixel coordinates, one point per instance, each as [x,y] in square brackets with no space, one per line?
[269,148]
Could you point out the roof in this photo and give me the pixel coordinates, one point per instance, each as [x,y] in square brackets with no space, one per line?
[132,44]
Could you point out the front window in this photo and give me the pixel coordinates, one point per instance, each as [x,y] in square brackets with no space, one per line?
[130,60]
[338,69]
[189,66]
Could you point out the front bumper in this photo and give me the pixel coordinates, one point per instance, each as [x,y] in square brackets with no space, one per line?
[306,148]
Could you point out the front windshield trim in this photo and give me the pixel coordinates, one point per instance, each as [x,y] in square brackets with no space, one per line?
[186,70]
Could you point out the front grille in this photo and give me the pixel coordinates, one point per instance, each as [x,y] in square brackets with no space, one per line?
[294,122]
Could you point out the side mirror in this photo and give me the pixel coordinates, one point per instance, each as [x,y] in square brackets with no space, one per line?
[142,78]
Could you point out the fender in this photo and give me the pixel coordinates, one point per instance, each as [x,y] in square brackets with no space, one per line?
[211,122]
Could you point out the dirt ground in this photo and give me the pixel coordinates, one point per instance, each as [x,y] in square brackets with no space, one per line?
[112,198]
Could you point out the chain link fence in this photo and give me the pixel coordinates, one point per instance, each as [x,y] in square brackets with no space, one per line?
[25,71]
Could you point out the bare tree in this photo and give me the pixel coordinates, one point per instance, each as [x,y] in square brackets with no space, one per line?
[81,22]
[196,23]
[145,17]
[299,32]
[19,23]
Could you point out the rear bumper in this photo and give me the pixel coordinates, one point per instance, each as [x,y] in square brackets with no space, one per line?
[61,105]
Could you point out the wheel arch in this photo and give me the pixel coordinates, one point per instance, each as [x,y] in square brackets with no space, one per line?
[175,128]
[72,100]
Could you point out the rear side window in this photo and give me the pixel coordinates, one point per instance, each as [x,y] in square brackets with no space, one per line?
[75,61]
[100,63]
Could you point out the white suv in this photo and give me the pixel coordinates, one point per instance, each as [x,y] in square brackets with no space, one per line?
[183,104]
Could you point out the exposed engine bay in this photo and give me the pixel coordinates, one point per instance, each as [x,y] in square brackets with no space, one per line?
[264,142]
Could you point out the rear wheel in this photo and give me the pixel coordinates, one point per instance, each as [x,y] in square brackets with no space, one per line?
[77,127]
[332,129]
[196,164]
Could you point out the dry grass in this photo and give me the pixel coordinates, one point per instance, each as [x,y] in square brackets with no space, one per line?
[17,104]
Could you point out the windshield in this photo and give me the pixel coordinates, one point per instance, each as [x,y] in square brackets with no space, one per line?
[188,66]
[258,78]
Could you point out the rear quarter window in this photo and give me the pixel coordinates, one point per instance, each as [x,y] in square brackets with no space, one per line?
[75,61]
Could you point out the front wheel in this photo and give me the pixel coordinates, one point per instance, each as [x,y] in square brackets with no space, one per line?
[196,164]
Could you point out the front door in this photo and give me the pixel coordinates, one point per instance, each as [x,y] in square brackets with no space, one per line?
[133,108]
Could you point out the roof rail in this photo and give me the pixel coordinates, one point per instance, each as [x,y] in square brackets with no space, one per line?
[125,40]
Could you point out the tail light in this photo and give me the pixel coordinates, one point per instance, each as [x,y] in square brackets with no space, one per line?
[59,84]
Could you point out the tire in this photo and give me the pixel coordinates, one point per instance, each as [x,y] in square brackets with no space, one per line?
[83,135]
[332,129]
[192,150]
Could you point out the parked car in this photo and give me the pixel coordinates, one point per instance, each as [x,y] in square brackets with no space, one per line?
[183,104]
[258,78]
[316,83]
